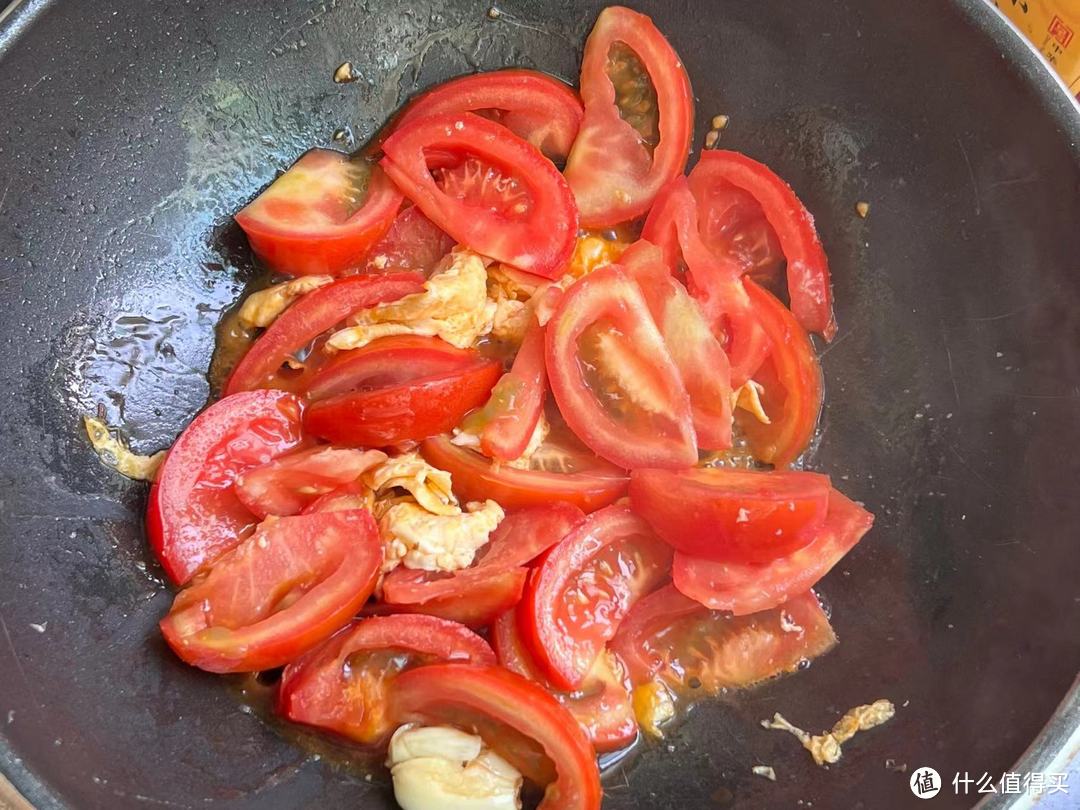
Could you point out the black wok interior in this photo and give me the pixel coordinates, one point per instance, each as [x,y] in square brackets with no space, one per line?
[129,132]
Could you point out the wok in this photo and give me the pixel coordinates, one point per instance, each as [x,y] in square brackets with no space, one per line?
[130,131]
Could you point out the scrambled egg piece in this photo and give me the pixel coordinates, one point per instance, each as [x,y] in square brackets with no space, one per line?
[748,397]
[429,486]
[591,252]
[416,538]
[653,706]
[114,452]
[443,768]
[825,748]
[454,306]
[510,292]
[263,307]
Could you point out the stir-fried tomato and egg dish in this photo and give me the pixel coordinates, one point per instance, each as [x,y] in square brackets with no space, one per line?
[509,473]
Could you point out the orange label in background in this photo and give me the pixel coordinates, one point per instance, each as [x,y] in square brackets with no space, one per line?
[1052,25]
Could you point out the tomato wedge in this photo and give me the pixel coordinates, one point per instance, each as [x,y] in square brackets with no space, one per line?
[582,479]
[193,515]
[506,422]
[809,285]
[715,282]
[742,588]
[534,106]
[791,376]
[493,584]
[639,119]
[613,378]
[388,361]
[401,412]
[519,719]
[601,707]
[413,242]
[701,360]
[322,215]
[312,315]
[697,651]
[283,590]
[354,495]
[575,600]
[495,193]
[731,515]
[285,485]
[342,685]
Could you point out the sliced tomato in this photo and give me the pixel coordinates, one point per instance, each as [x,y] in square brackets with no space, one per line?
[388,361]
[534,106]
[285,485]
[575,600]
[506,422]
[697,651]
[491,191]
[493,584]
[413,242]
[194,515]
[809,285]
[342,685]
[284,589]
[601,706]
[639,119]
[744,588]
[517,718]
[408,411]
[322,215]
[309,317]
[354,495]
[731,515]
[715,281]
[557,472]
[701,360]
[613,378]
[793,390]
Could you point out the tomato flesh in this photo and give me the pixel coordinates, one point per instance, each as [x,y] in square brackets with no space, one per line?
[284,589]
[342,685]
[322,215]
[405,412]
[194,514]
[639,119]
[613,378]
[309,317]
[413,242]
[517,718]
[731,515]
[494,192]
[696,651]
[575,600]
[744,588]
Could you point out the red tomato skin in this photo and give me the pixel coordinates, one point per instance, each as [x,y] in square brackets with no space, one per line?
[610,172]
[184,542]
[566,649]
[476,478]
[745,649]
[792,367]
[289,483]
[517,401]
[536,107]
[742,588]
[331,250]
[731,515]
[387,361]
[610,295]
[809,284]
[602,707]
[314,689]
[541,244]
[213,624]
[312,315]
[479,600]
[408,412]
[449,692]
